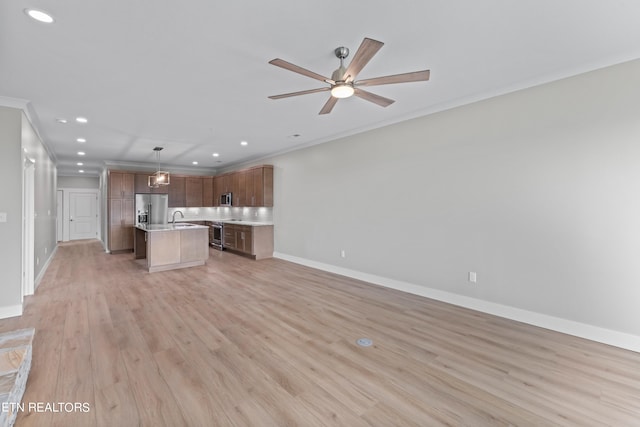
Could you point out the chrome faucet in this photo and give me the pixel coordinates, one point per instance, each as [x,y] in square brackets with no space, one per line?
[174,216]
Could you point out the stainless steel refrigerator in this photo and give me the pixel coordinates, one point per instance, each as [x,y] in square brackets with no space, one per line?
[152,208]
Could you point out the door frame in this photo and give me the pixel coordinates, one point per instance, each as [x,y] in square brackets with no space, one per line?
[59,214]
[66,214]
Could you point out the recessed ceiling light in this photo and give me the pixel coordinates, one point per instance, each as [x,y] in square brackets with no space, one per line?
[81,171]
[39,15]
[62,121]
[195,163]
[81,119]
[216,155]
[81,153]
[244,143]
[79,163]
[81,140]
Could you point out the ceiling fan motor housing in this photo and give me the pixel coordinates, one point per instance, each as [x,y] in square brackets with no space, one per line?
[338,75]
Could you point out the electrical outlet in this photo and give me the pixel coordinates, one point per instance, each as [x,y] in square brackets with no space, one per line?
[473,278]
[3,217]
[343,253]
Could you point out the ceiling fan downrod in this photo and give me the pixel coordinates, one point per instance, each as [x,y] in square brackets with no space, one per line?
[341,53]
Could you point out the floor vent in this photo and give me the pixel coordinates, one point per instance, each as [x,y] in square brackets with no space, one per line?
[364,342]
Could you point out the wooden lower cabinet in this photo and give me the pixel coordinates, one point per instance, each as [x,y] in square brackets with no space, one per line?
[230,237]
[253,241]
[121,223]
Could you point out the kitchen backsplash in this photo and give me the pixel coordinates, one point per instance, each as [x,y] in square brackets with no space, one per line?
[223,212]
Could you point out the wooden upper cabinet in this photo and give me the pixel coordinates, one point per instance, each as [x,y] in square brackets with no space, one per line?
[227,183]
[121,213]
[121,185]
[177,197]
[193,191]
[267,186]
[217,190]
[250,187]
[259,186]
[239,195]
[221,184]
[207,191]
[142,185]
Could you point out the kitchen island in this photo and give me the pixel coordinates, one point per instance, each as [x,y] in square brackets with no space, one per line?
[171,246]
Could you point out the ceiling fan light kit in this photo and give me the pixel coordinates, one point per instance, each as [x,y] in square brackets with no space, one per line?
[342,90]
[342,83]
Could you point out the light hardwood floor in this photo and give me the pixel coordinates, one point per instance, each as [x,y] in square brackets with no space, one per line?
[270,343]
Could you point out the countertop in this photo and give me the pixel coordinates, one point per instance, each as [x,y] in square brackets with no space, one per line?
[169,227]
[187,225]
[251,223]
[225,221]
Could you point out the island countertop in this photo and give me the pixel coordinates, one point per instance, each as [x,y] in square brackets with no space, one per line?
[169,227]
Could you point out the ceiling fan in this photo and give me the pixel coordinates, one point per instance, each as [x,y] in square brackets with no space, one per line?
[342,83]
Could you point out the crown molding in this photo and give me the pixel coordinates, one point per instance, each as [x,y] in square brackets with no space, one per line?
[152,167]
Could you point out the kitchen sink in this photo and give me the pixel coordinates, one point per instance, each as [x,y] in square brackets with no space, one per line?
[183,225]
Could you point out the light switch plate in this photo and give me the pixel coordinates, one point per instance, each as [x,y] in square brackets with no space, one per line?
[3,217]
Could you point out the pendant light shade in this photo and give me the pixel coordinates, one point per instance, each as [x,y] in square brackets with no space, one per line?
[160,177]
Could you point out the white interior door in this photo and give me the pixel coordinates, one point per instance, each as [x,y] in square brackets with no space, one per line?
[83,218]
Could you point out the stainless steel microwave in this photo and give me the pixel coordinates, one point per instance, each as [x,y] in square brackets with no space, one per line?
[225,199]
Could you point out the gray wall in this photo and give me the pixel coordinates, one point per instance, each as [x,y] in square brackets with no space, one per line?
[16,136]
[45,198]
[11,204]
[537,191]
[78,182]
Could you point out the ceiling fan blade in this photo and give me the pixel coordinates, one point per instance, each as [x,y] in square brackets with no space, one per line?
[291,67]
[303,92]
[416,76]
[329,105]
[372,97]
[365,52]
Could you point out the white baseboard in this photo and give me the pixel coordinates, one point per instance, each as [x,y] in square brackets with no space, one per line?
[10,311]
[44,268]
[582,330]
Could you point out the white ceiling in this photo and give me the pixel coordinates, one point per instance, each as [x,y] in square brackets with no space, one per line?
[193,77]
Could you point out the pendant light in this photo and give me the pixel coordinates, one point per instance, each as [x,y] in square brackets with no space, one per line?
[160,177]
